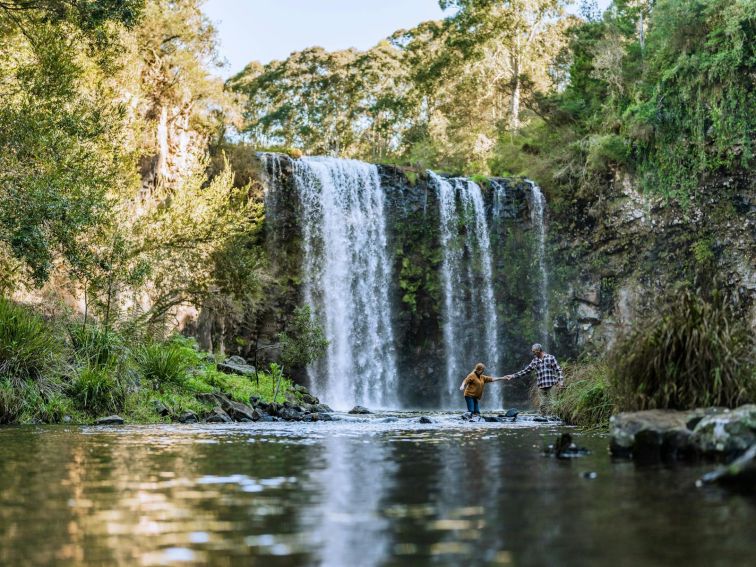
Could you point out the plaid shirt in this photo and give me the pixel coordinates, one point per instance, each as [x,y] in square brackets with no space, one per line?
[547,371]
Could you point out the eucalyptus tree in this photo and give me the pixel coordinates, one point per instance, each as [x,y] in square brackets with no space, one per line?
[516,39]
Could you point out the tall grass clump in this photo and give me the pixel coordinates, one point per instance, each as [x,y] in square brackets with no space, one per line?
[96,346]
[29,348]
[97,391]
[695,351]
[587,399]
[167,363]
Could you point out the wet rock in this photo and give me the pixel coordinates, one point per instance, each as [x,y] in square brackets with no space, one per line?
[512,412]
[290,414]
[726,433]
[490,419]
[589,475]
[304,395]
[359,410]
[540,419]
[110,420]
[322,408]
[663,434]
[650,435]
[325,417]
[188,417]
[67,419]
[219,416]
[268,418]
[741,473]
[236,365]
[565,448]
[236,410]
[425,419]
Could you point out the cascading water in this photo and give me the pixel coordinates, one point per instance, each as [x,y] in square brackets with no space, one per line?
[470,317]
[347,278]
[537,214]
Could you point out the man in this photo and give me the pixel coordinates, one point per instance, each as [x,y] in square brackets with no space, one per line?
[548,374]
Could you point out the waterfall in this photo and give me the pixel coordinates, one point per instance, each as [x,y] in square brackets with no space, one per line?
[470,319]
[346,275]
[537,214]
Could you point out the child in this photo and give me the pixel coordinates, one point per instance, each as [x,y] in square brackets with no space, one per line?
[473,386]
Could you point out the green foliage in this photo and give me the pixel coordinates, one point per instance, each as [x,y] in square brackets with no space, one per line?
[304,341]
[11,403]
[693,352]
[702,252]
[29,348]
[164,364]
[95,346]
[96,391]
[587,399]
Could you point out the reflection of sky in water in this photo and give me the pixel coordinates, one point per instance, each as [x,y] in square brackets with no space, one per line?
[366,492]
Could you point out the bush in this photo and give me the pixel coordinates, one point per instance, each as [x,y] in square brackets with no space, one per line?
[29,349]
[96,391]
[587,399]
[94,346]
[11,404]
[693,352]
[167,363]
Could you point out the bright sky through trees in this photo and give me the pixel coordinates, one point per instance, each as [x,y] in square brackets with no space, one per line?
[264,30]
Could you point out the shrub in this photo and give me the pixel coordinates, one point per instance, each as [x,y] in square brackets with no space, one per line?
[692,352]
[166,363]
[587,399]
[95,346]
[29,349]
[11,404]
[96,391]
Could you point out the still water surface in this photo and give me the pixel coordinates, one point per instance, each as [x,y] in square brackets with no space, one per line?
[384,490]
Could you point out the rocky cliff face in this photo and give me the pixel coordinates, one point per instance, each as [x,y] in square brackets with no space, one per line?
[629,249]
[608,260]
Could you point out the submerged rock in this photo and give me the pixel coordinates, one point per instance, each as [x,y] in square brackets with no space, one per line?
[741,473]
[565,448]
[360,410]
[110,420]
[425,419]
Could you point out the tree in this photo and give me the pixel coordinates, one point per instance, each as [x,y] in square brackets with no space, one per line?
[304,341]
[60,135]
[517,38]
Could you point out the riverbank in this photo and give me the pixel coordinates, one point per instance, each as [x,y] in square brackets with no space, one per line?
[59,370]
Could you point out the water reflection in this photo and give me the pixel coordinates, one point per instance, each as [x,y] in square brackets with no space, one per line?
[350,493]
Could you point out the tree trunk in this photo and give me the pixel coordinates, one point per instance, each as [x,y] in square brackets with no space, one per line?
[514,106]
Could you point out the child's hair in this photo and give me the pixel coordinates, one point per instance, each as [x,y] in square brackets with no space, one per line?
[480,367]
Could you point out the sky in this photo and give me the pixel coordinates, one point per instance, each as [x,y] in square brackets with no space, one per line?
[264,30]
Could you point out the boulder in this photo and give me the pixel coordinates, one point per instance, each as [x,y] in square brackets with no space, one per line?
[236,410]
[726,433]
[160,408]
[325,417]
[650,435]
[110,420]
[236,365]
[360,410]
[425,419]
[219,416]
[662,434]
[188,417]
[740,473]
[290,414]
[321,408]
[512,412]
[490,418]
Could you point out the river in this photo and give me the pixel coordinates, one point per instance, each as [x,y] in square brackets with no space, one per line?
[379,490]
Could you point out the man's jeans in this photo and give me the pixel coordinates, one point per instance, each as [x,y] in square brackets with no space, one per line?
[544,399]
[472,405]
